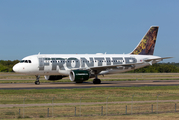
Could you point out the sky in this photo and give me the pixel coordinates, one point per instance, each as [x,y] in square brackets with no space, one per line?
[28,27]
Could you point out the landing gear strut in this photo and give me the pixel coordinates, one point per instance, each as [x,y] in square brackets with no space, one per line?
[96,80]
[37,82]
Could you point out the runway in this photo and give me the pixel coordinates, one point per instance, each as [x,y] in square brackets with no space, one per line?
[69,85]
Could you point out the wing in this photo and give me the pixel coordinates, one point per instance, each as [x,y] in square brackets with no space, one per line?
[160,59]
[132,65]
[101,68]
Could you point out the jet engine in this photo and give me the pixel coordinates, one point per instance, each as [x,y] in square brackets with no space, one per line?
[79,76]
[53,77]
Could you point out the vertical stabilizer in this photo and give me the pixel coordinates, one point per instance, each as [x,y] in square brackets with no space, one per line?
[147,44]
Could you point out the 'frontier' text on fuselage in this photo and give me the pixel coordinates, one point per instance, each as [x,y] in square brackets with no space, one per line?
[82,62]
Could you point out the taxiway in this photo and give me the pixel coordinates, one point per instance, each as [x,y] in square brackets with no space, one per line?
[70,85]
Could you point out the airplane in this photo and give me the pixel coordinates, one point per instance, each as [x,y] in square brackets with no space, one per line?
[81,67]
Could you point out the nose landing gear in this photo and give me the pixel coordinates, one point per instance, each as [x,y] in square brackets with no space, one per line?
[37,82]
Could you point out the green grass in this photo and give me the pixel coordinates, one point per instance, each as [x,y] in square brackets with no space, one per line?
[89,94]
[22,78]
[68,80]
[93,111]
[36,96]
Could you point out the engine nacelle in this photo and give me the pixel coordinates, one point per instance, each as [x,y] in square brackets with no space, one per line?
[79,75]
[53,77]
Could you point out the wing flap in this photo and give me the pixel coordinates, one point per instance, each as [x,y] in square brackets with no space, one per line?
[113,66]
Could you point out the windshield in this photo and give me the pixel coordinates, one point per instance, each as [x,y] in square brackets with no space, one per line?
[25,61]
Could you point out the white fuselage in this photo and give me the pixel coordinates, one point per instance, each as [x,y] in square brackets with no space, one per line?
[62,64]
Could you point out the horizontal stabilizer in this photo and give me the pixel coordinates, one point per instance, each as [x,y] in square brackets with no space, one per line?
[148,60]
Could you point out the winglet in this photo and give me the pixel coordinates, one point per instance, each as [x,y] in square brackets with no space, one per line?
[147,44]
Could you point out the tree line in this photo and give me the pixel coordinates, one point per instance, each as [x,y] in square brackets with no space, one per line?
[6,66]
[158,68]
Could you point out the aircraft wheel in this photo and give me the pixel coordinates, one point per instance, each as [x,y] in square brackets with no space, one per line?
[99,81]
[96,81]
[37,82]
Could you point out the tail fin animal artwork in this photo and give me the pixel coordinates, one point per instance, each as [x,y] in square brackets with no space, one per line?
[147,44]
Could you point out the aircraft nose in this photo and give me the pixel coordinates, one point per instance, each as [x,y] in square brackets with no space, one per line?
[15,68]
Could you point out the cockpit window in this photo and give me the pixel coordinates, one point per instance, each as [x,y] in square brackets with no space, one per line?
[25,61]
[22,61]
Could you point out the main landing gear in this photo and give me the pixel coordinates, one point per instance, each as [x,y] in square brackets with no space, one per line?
[37,82]
[96,80]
